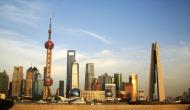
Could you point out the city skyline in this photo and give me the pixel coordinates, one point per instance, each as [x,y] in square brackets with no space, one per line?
[105,47]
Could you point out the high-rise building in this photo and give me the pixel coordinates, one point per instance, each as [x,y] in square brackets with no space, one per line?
[75,75]
[4,82]
[95,86]
[29,82]
[89,75]
[39,84]
[133,79]
[118,81]
[61,88]
[17,81]
[70,60]
[33,81]
[48,81]
[10,90]
[189,94]
[128,88]
[112,88]
[101,81]
[104,79]
[156,84]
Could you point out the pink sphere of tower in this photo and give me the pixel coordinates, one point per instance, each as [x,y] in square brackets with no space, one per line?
[49,44]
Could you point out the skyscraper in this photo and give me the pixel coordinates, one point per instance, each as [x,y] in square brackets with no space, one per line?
[118,81]
[75,75]
[17,81]
[104,79]
[33,78]
[70,60]
[48,81]
[133,79]
[95,86]
[29,81]
[89,75]
[39,84]
[156,84]
[61,88]
[4,82]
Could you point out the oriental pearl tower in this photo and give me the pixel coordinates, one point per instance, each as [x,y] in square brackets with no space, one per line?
[48,81]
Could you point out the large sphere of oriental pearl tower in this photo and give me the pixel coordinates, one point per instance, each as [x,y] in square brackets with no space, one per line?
[49,44]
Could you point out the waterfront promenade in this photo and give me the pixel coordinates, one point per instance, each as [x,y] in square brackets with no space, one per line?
[99,107]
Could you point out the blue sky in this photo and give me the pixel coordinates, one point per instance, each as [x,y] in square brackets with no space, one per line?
[116,35]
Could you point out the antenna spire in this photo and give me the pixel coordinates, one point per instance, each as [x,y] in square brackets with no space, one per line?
[49,31]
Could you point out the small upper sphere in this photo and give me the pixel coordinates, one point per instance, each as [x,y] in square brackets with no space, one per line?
[49,44]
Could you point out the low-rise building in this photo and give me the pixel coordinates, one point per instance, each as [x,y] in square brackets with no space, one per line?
[89,96]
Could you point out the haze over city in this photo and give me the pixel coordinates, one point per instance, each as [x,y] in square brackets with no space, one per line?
[114,35]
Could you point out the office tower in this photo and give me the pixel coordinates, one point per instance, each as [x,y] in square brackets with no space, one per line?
[112,88]
[48,81]
[128,88]
[118,81]
[29,81]
[95,86]
[4,81]
[156,84]
[33,78]
[17,81]
[70,60]
[23,85]
[104,79]
[112,80]
[75,75]
[61,88]
[133,79]
[101,81]
[89,75]
[107,79]
[39,84]
[10,90]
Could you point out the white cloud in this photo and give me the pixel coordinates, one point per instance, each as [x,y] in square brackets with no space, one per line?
[83,33]
[24,12]
[95,35]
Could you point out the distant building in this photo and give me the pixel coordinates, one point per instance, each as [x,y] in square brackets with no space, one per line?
[95,86]
[128,88]
[141,95]
[92,95]
[61,88]
[104,79]
[133,79]
[112,88]
[101,81]
[118,82]
[156,83]
[10,90]
[4,82]
[89,75]
[17,81]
